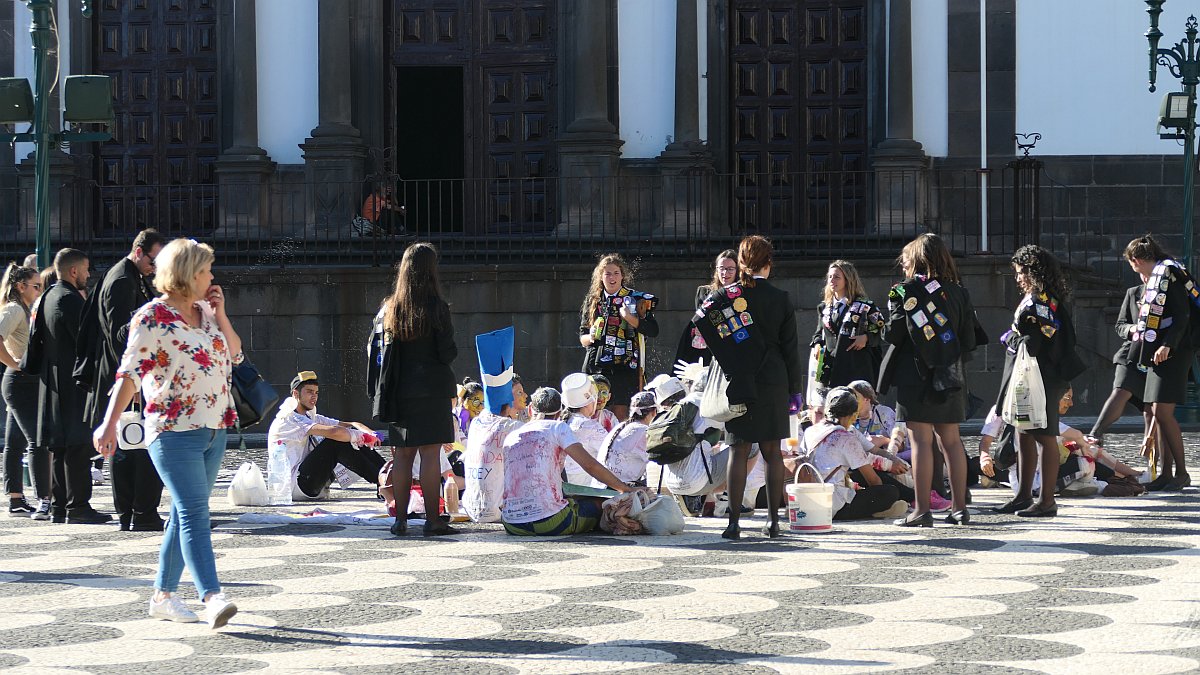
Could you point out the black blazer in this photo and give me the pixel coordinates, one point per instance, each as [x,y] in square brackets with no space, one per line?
[416,369]
[1127,320]
[1058,361]
[60,400]
[776,320]
[122,293]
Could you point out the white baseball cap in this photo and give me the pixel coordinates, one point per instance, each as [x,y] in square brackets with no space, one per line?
[667,388]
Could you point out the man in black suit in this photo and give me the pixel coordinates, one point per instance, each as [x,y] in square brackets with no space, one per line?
[137,488]
[61,426]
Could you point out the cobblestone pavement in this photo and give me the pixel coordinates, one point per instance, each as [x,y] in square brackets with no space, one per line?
[1112,585]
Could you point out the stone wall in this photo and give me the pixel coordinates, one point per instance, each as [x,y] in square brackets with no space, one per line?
[318,318]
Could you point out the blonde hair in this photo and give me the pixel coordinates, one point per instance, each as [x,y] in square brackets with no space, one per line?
[178,263]
[854,286]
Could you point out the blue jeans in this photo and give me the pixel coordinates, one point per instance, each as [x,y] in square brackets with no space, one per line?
[188,462]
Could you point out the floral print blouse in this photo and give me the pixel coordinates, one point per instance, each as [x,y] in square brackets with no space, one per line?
[184,371]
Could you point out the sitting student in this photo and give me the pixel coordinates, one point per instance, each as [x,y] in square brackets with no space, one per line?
[606,418]
[875,420]
[315,444]
[624,452]
[483,461]
[467,407]
[837,450]
[534,457]
[579,396]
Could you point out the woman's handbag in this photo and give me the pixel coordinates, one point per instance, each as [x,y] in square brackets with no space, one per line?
[252,396]
[1025,399]
[715,404]
[131,430]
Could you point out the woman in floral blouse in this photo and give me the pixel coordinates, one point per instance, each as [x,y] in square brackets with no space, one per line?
[180,353]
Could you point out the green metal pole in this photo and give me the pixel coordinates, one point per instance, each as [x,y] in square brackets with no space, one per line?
[1189,175]
[43,38]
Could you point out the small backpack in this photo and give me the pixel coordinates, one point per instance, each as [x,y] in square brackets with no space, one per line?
[671,437]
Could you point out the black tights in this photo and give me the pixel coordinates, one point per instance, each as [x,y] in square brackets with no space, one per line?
[1031,449]
[737,479]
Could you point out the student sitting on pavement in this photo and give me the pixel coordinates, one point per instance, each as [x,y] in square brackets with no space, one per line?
[315,444]
[624,451]
[483,461]
[579,397]
[534,458]
[837,450]
[607,418]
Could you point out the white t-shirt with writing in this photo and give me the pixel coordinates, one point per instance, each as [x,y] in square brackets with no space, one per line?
[483,466]
[624,453]
[836,449]
[291,431]
[591,435]
[533,465]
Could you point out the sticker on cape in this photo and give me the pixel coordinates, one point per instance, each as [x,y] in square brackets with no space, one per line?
[947,336]
[1043,311]
[931,307]
[733,291]
[896,292]
[735,325]
[723,330]
[1162,285]
[940,318]
[1152,322]
[728,312]
[919,319]
[855,317]
[741,335]
[618,352]
[928,331]
[746,318]
[698,341]
[614,320]
[1049,331]
[856,307]
[932,286]
[1160,299]
[1150,336]
[910,304]
[739,305]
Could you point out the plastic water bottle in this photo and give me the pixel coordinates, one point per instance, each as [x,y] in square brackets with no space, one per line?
[279,476]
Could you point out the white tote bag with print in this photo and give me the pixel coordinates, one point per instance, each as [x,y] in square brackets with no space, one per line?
[1025,399]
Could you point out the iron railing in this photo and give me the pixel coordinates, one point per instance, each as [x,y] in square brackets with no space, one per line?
[866,214]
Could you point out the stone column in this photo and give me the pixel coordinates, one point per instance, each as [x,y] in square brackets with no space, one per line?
[900,163]
[334,154]
[686,164]
[243,169]
[589,148]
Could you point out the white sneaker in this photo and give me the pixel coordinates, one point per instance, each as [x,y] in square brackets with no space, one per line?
[896,510]
[171,609]
[218,611]
[97,476]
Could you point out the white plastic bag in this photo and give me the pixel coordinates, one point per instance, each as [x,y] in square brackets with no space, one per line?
[1025,399]
[248,487]
[661,516]
[279,476]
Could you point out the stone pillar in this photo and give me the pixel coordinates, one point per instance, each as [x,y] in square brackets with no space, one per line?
[243,169]
[686,164]
[589,148]
[334,154]
[900,163]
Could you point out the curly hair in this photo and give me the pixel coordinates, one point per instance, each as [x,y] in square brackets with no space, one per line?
[591,301]
[1043,270]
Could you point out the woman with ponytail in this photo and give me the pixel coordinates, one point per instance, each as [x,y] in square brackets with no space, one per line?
[19,289]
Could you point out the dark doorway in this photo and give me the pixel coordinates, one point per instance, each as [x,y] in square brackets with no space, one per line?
[430,142]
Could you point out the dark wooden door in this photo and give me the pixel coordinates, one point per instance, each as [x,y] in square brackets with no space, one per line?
[507,51]
[798,87]
[158,169]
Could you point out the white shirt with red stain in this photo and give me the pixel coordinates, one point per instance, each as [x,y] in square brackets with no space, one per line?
[533,466]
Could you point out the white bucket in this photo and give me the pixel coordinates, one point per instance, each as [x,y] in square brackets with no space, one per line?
[810,506]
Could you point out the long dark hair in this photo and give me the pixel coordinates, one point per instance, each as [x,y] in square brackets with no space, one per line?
[928,255]
[415,307]
[1043,270]
[596,287]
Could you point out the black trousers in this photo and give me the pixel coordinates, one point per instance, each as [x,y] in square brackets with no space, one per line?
[136,486]
[871,499]
[20,392]
[316,471]
[71,479]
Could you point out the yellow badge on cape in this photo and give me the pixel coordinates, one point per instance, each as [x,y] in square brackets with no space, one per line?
[1152,322]
[910,304]
[1048,331]
[739,305]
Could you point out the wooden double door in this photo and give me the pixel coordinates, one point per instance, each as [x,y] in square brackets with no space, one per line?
[473,129]
[157,171]
[798,114]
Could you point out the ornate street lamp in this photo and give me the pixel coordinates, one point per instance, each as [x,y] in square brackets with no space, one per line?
[1183,62]
[88,100]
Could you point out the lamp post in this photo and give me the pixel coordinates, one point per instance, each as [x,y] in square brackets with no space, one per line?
[1183,62]
[88,101]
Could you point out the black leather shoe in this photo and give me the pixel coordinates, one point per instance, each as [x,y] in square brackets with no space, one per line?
[959,517]
[732,532]
[89,517]
[1158,483]
[1039,511]
[771,530]
[1013,505]
[923,520]
[400,527]
[436,528]
[1177,484]
[147,525]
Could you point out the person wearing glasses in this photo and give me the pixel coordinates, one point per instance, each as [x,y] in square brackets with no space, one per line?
[104,333]
[19,289]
